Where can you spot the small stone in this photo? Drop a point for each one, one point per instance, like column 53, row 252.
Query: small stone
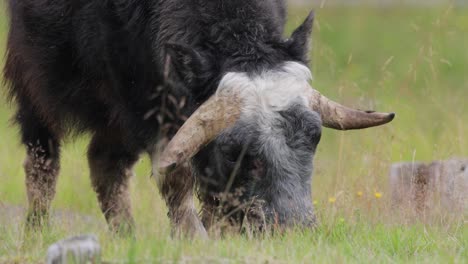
column 76, row 250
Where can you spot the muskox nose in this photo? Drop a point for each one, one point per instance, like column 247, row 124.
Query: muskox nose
column 258, row 169
column 266, row 217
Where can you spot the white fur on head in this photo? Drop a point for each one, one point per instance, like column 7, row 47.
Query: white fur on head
column 270, row 91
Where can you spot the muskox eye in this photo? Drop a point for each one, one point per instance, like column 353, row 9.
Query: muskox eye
column 230, row 153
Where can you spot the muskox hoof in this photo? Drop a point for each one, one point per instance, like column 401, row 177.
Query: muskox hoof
column 189, row 226
column 189, row 232
column 36, row 221
column 124, row 228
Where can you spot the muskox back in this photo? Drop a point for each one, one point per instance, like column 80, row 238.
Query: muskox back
column 85, row 65
column 82, row 65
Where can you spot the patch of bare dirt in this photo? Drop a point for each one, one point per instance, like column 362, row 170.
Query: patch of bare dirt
column 15, row 215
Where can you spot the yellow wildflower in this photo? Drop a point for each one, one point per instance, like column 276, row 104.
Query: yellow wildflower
column 332, row 200
column 360, row 194
column 315, row 202
column 378, row 195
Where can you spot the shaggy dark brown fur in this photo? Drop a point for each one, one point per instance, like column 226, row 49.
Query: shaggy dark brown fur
column 111, row 169
column 177, row 190
column 130, row 72
column 41, row 179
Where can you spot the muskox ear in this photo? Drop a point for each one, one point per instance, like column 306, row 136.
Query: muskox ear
column 298, row 45
column 187, row 63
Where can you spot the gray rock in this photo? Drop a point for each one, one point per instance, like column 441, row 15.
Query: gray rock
column 424, row 186
column 452, row 183
column 76, row 250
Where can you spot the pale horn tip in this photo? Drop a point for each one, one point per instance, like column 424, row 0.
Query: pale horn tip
column 391, row 116
column 377, row 118
column 355, row 119
column 386, row 117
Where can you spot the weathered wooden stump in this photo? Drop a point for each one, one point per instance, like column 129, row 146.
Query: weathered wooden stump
column 76, row 250
column 423, row 186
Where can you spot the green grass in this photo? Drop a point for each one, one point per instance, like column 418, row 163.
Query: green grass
column 411, row 61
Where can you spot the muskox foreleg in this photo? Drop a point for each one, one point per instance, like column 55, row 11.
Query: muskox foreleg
column 41, row 165
column 177, row 187
column 111, row 166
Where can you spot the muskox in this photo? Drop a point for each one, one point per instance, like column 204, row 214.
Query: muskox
column 213, row 84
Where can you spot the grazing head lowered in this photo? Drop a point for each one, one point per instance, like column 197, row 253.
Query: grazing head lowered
column 253, row 142
column 214, row 78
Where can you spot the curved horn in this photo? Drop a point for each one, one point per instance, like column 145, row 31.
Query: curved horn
column 337, row 116
column 222, row 111
column 215, row 115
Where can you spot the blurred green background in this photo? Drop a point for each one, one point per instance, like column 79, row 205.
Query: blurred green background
column 407, row 59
